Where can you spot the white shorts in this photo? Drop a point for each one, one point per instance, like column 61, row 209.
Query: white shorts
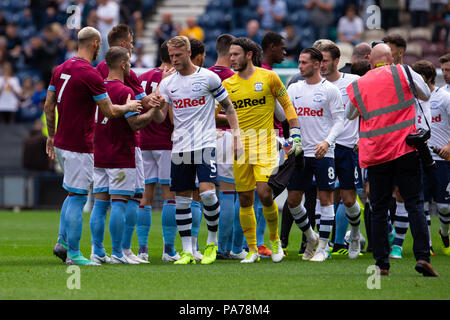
column 157, row 166
column 140, row 176
column 78, row 169
column 225, row 157
column 120, row 181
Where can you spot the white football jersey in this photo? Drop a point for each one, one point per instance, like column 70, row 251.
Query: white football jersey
column 446, row 87
column 440, row 119
column 349, row 137
column 193, row 104
column 315, row 105
column 422, row 113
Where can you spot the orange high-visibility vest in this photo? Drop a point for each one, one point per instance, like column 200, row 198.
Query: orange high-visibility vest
column 386, row 105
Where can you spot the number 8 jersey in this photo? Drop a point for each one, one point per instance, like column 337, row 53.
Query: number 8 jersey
column 78, row 86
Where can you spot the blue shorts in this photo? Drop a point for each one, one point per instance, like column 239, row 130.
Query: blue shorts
column 346, row 165
column 186, row 166
column 322, row 169
column 436, row 184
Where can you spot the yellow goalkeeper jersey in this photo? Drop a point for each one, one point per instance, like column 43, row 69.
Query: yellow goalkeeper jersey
column 254, row 102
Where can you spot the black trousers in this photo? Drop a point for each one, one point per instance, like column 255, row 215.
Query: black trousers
column 405, row 171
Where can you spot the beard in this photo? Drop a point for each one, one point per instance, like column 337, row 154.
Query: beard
column 241, row 66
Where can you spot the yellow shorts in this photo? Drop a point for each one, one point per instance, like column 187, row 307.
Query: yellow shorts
column 247, row 174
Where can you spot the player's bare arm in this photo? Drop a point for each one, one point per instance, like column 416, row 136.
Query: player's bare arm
column 232, row 119
column 114, row 111
column 50, row 116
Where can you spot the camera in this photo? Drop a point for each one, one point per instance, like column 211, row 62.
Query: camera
column 419, row 139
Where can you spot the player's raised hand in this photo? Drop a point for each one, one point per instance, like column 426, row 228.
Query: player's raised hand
column 50, row 148
column 134, row 105
column 321, row 150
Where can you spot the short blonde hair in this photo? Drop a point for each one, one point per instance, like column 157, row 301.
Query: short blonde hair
column 179, row 42
column 87, row 34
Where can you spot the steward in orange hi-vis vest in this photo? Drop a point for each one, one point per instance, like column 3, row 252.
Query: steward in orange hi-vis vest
column 386, row 114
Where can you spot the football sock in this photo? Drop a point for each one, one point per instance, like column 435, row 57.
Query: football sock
column 62, row 228
column 286, row 223
column 341, row 225
column 260, row 221
column 130, row 222
column 271, row 216
column 353, row 214
column 426, row 209
column 444, row 217
column 318, row 214
column 169, row 226
column 74, row 222
column 301, row 219
column 183, row 216
column 117, row 225
column 97, row 224
column 196, row 209
column 144, row 223
column 326, row 224
column 248, row 223
column 238, row 234
column 401, row 224
column 211, row 210
column 225, row 219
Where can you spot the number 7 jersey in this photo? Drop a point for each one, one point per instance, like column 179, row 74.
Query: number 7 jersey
column 78, row 86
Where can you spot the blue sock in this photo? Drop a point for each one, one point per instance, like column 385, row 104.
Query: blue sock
column 226, row 218
column 260, row 221
column 196, row 209
column 117, row 225
column 62, row 234
column 131, row 218
column 143, row 225
column 169, row 226
column 341, row 224
column 238, row 234
column 74, row 222
column 97, row 224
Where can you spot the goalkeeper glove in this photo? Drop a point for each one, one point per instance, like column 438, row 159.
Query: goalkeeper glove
column 296, row 141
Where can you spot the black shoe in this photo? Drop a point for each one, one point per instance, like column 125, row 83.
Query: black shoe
column 60, row 252
column 222, row 256
column 339, row 249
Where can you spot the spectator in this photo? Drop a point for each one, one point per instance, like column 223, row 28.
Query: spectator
column 71, row 49
column 108, row 17
column 389, row 13
column 139, row 59
column 350, row 27
column 293, row 43
column 10, row 92
column 31, row 108
column 34, row 150
column 238, row 10
column 14, row 42
column 164, row 32
column 442, row 23
column 37, row 7
column 192, row 30
column 272, row 14
column 51, row 14
column 3, row 24
column 321, row 17
column 360, row 52
column 253, row 31
column 419, row 10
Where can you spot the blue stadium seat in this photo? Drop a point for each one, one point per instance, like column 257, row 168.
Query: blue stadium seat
column 213, row 19
column 299, row 18
column 211, row 35
column 294, row 5
column 253, row 4
column 238, row 32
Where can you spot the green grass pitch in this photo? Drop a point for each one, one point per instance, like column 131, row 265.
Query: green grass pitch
column 29, row 271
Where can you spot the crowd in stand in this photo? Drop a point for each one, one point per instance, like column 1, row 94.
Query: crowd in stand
column 37, row 35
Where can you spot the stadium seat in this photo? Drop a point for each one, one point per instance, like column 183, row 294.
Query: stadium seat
column 404, row 32
column 373, row 35
column 434, row 59
column 414, row 48
column 212, row 35
column 299, row 18
column 420, row 33
column 420, row 42
column 434, row 49
column 410, row 59
column 238, row 32
column 345, row 48
column 295, row 5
